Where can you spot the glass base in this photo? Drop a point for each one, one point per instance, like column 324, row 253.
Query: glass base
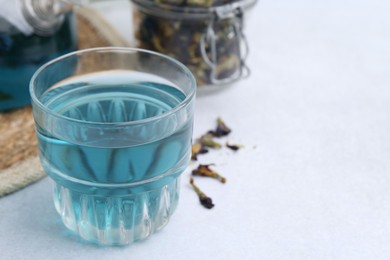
column 116, row 220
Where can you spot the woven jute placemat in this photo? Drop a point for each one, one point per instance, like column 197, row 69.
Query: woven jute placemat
column 19, row 163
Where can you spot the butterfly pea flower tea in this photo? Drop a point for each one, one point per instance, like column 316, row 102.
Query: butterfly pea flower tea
column 114, row 127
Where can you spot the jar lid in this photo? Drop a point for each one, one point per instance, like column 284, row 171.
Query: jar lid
column 193, row 9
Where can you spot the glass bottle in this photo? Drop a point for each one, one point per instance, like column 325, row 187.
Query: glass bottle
column 32, row 32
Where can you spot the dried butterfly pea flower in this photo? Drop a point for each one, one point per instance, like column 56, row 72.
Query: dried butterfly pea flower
column 207, row 141
column 234, row 147
column 203, row 198
column 195, row 3
column 221, row 130
column 203, row 3
column 173, row 2
column 204, row 170
column 196, row 150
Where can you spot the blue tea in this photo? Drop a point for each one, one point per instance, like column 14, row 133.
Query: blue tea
column 151, row 158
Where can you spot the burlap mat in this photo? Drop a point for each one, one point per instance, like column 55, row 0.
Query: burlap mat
column 19, row 163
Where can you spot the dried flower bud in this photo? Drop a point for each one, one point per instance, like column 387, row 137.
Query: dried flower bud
column 204, row 170
column 196, row 150
column 207, row 141
column 206, row 202
column 234, row 147
column 221, row 130
column 203, row 198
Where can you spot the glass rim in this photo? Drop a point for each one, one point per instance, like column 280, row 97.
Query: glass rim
column 180, row 106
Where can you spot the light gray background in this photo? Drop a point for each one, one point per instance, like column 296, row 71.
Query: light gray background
column 313, row 181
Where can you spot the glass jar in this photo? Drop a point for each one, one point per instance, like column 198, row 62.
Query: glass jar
column 31, row 33
column 207, row 36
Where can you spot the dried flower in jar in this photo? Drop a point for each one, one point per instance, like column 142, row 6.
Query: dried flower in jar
column 209, row 45
column 196, row 3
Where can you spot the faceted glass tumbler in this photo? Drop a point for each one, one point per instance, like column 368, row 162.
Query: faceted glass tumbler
column 114, row 128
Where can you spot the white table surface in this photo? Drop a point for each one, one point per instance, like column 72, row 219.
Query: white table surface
column 313, row 181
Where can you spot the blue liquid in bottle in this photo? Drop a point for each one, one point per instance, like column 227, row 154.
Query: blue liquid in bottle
column 21, row 56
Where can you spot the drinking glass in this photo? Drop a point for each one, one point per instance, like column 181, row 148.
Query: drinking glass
column 114, row 128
